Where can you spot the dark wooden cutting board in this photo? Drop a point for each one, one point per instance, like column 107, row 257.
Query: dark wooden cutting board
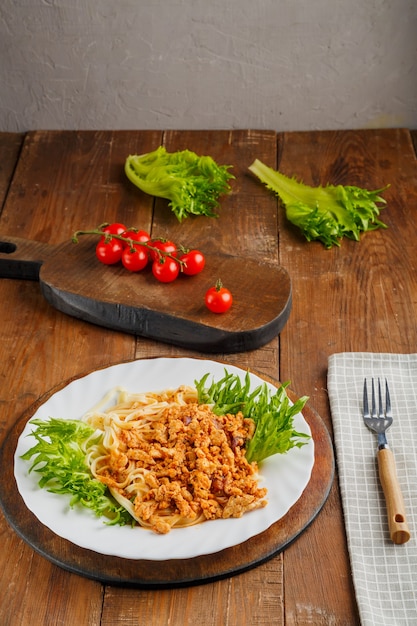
column 76, row 283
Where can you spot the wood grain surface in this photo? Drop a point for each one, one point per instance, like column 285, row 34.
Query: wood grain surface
column 361, row 296
column 10, row 144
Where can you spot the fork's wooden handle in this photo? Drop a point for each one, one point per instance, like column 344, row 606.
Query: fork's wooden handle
column 398, row 526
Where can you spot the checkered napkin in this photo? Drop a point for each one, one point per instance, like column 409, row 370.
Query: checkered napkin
column 384, row 574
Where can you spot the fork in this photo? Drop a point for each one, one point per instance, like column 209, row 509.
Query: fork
column 379, row 421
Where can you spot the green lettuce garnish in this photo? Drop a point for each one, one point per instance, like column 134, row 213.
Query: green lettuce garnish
column 273, row 413
column 326, row 213
column 59, row 456
column 191, row 183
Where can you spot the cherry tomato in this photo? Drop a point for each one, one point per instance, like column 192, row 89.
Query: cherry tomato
column 140, row 235
column 109, row 252
column 218, row 299
column 114, row 229
column 135, row 259
column 194, row 262
column 164, row 246
column 165, row 269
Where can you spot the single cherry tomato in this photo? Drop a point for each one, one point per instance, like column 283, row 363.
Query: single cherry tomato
column 135, row 258
column 114, row 229
column 163, row 247
column 218, row 299
column 165, row 269
column 193, row 262
column 139, row 235
column 109, row 252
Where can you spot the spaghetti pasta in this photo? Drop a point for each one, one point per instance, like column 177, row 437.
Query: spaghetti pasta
column 171, row 462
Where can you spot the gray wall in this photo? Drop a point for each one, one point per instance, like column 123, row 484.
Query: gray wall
column 266, row 64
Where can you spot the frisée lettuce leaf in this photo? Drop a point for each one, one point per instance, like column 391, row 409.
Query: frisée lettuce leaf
column 191, row 183
column 59, row 456
column 272, row 413
column 324, row 214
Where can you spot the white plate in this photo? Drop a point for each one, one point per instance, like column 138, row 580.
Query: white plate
column 284, row 475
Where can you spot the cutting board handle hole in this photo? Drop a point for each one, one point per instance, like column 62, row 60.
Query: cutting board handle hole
column 7, row 247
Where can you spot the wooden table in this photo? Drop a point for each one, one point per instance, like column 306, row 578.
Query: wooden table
column 361, row 296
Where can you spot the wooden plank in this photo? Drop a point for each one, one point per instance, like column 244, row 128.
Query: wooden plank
column 74, row 180
column 45, row 591
column 63, row 181
column 10, row 144
column 413, row 134
column 361, row 297
column 252, row 599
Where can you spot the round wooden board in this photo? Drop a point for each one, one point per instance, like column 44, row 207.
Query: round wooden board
column 174, row 572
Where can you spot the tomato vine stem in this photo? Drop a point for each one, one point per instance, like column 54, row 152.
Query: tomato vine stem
column 132, row 243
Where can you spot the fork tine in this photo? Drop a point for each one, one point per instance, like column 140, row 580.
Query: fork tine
column 380, row 407
column 365, row 400
column 387, row 400
column 373, row 407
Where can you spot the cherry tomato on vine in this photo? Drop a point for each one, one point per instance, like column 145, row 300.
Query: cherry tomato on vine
column 109, row 252
column 218, row 299
column 164, row 246
column 165, row 269
column 114, row 229
column 139, row 235
column 135, row 259
column 193, row 262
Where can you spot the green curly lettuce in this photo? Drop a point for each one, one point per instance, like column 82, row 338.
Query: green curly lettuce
column 60, row 457
column 326, row 213
column 191, row 183
column 272, row 413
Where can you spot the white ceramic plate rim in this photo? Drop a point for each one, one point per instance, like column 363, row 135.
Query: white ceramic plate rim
column 285, row 476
